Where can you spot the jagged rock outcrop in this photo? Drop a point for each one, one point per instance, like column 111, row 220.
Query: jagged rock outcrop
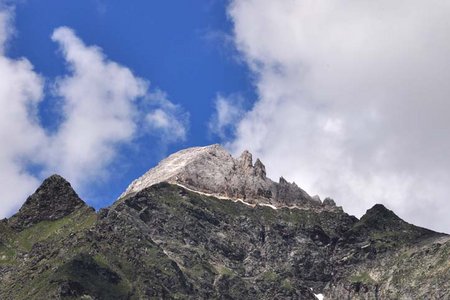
column 53, row 200
column 213, row 170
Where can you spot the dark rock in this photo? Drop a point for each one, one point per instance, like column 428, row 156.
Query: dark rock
column 329, row 202
column 71, row 289
column 319, row 237
column 168, row 242
column 103, row 213
column 379, row 215
column 53, row 200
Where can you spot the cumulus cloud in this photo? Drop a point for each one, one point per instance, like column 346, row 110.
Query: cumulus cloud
column 352, row 100
column 99, row 110
column 228, row 112
column 103, row 104
column 20, row 132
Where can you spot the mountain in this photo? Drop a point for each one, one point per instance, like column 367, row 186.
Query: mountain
column 205, row 225
column 214, row 171
column 53, row 200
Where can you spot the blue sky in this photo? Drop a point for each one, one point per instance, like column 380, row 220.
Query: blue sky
column 186, row 52
column 349, row 99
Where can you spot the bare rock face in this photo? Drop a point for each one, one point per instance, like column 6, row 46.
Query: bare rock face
column 214, row 171
column 53, row 200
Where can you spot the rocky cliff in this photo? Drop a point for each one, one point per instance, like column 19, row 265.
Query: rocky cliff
column 179, row 233
column 214, row 171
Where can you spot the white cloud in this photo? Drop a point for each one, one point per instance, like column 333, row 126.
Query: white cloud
column 99, row 109
column 20, row 132
column 104, row 105
column 102, row 109
column 353, row 100
column 228, row 112
column 166, row 119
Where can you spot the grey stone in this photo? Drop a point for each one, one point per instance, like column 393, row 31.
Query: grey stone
column 214, row 171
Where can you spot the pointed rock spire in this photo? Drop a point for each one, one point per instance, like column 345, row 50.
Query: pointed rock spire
column 260, row 169
column 53, row 200
column 246, row 160
column 329, row 202
column 282, row 180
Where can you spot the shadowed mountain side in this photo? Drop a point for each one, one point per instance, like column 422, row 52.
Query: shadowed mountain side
column 166, row 241
column 53, row 200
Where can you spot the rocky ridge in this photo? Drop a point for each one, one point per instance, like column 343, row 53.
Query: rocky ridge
column 212, row 170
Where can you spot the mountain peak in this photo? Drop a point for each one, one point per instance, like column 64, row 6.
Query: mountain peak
column 214, row 171
column 53, row 200
column 380, row 218
column 246, row 160
column 260, row 169
column 379, row 213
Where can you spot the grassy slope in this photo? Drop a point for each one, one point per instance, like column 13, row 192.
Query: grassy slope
column 40, row 258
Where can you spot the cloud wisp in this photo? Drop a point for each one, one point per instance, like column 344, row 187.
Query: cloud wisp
column 164, row 118
column 228, row 112
column 103, row 106
column 352, row 100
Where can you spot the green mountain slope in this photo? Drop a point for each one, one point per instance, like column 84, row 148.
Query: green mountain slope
column 166, row 242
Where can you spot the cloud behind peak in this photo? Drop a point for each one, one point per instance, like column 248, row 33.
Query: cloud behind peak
column 353, row 95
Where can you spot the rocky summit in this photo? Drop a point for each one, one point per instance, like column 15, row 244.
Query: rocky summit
column 205, row 225
column 212, row 170
column 53, row 200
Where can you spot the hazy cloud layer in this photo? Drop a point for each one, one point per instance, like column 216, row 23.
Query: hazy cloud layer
column 353, row 100
column 102, row 102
